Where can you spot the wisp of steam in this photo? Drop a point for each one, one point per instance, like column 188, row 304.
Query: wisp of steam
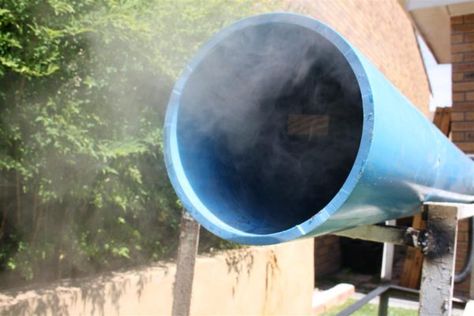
column 269, row 126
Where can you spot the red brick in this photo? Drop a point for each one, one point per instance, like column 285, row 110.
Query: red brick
column 457, row 136
column 470, row 96
column 461, row 48
column 463, row 67
column 462, row 126
column 463, row 287
column 455, row 28
column 468, row 37
column 469, row 136
column 469, row 116
column 469, row 18
column 462, row 248
column 457, row 116
column 457, row 38
column 323, row 251
column 458, row 77
column 459, row 261
column 458, row 97
column 463, row 86
column 466, row 147
column 463, row 106
column 461, row 293
column 468, row 56
column 463, row 225
column 462, row 237
column 455, row 58
column 457, row 20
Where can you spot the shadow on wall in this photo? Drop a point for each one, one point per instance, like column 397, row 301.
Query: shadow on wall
column 98, row 296
column 266, row 280
column 106, row 294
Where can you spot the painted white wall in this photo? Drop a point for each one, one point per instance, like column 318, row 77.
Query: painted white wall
column 439, row 76
column 420, row 4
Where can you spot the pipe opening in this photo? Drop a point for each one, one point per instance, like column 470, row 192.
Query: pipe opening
column 269, row 126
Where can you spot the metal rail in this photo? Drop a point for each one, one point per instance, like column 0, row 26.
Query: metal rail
column 386, row 291
column 439, row 244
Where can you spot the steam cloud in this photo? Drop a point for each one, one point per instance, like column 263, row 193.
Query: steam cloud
column 269, row 126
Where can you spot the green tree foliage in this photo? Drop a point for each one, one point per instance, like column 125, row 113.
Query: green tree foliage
column 83, row 87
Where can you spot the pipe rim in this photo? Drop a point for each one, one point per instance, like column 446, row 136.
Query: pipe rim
column 176, row 171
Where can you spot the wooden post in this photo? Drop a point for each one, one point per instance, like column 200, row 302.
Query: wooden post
column 187, row 251
column 413, row 260
column 437, row 279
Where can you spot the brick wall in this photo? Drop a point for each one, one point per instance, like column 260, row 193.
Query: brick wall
column 462, row 289
column 383, row 32
column 462, row 53
column 462, row 50
column 327, row 256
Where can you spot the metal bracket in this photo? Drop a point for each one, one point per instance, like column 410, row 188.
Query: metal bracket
column 398, row 235
column 438, row 243
column 419, row 239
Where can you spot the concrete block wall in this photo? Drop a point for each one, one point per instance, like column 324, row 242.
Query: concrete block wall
column 462, row 126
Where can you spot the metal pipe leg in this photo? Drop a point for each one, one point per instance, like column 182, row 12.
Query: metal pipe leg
column 383, row 304
column 437, row 278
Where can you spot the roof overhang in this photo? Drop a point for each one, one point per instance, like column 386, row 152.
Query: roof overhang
column 432, row 20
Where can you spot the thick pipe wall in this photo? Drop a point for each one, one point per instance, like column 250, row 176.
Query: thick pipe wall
column 399, row 160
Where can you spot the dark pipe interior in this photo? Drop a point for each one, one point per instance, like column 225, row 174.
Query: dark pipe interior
column 269, row 126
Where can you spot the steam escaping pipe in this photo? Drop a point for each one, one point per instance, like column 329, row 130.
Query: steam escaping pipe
column 280, row 129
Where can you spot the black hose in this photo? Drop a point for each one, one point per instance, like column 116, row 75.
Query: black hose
column 466, row 270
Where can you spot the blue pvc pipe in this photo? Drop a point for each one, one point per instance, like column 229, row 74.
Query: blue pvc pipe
column 401, row 161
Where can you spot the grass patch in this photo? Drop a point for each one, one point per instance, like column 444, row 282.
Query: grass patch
column 370, row 310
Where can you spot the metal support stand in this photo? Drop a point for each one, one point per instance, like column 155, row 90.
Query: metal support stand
column 438, row 242
column 437, row 276
column 185, row 262
column 383, row 304
column 387, row 256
